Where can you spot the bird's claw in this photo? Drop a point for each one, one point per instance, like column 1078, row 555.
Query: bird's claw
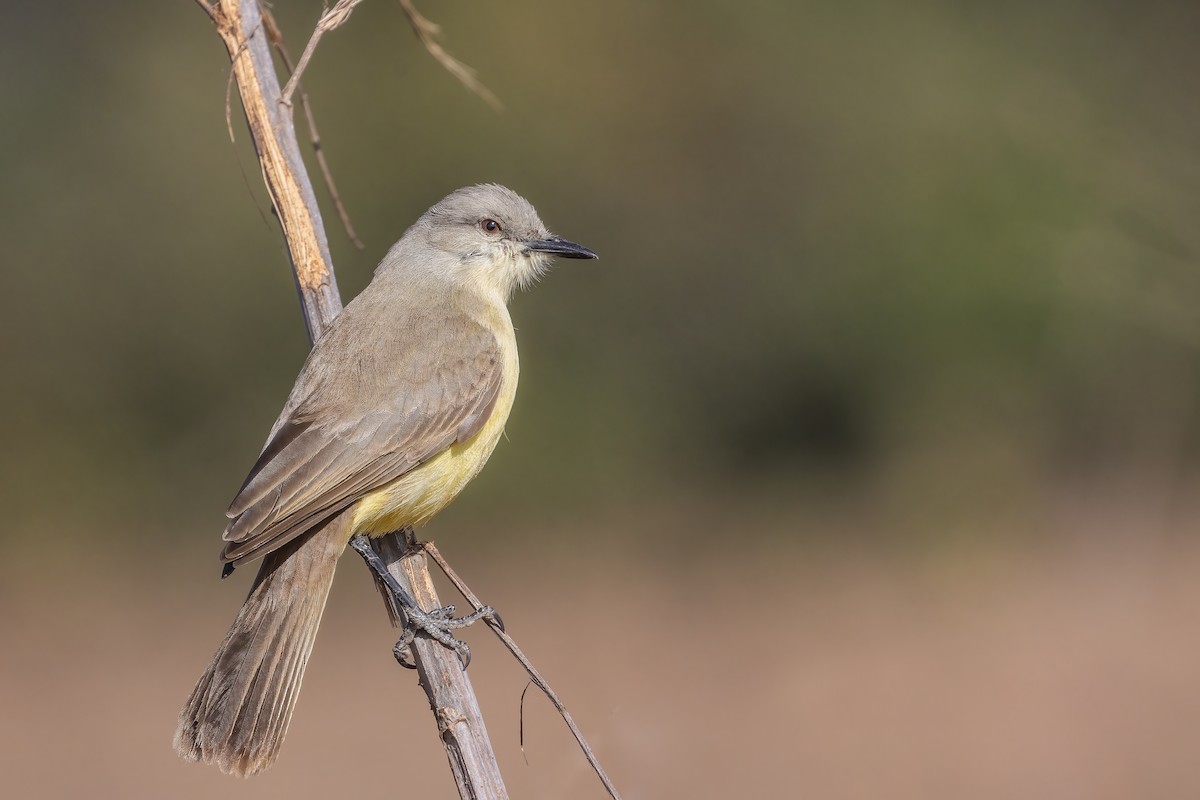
column 403, row 650
column 437, row 624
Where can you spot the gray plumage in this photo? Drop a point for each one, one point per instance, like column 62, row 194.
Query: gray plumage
column 397, row 407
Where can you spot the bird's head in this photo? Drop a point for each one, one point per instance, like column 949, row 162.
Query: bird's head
column 494, row 238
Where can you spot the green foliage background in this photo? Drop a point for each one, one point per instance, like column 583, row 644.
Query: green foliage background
column 936, row 260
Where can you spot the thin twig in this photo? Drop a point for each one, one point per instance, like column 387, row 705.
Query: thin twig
column 310, row 118
column 229, row 82
column 208, row 9
column 330, row 20
column 534, row 675
column 521, row 723
column 427, row 31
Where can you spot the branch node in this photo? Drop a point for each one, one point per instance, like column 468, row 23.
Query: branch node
column 331, row 20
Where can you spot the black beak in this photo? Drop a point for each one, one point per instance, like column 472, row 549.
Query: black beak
column 560, row 247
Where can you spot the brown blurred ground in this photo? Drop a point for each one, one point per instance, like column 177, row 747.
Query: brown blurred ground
column 863, row 465
column 1041, row 670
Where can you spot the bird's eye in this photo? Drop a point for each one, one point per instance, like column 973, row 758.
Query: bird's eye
column 490, row 225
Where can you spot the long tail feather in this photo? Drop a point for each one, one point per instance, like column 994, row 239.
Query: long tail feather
column 238, row 714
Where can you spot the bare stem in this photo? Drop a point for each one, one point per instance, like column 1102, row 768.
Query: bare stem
column 330, row 20
column 311, row 122
column 208, row 9
column 518, row 654
column 460, row 722
column 427, row 32
column 240, row 25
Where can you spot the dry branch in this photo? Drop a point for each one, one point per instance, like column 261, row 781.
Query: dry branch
column 460, row 722
column 240, row 25
column 427, row 32
column 332, row 19
column 248, row 34
column 311, row 121
column 519, row 655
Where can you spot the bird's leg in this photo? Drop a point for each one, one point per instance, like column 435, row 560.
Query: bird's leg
column 436, row 624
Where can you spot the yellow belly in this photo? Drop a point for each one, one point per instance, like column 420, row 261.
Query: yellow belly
column 415, row 497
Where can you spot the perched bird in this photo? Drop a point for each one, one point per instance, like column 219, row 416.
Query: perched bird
column 398, row 406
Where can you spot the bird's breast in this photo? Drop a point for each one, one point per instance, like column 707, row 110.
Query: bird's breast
column 419, row 494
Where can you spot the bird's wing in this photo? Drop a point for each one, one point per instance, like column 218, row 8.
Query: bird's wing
column 362, row 414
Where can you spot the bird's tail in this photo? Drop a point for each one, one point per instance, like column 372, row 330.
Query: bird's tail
column 238, row 713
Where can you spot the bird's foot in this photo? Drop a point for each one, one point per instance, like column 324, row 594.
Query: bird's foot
column 436, row 624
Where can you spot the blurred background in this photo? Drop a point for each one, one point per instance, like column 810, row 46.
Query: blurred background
column 863, row 464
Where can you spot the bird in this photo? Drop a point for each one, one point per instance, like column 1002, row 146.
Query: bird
column 397, row 407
